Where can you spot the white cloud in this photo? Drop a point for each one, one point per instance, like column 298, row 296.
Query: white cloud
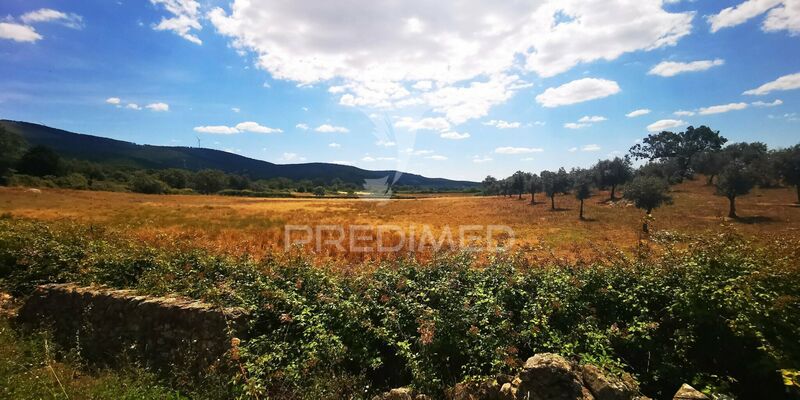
column 423, row 85
column 157, row 107
column 786, row 82
column 723, row 108
column 373, row 159
column 113, row 100
column 638, row 113
column 18, row 32
column 481, row 160
column 574, row 125
column 289, row 157
column 334, row 145
column 73, row 21
column 430, row 123
column 133, row 106
column 577, row 91
column 411, row 151
column 250, row 126
column 684, row 113
column 236, row 109
column 217, row 129
column 572, row 149
column 672, row 68
column 665, row 124
column 452, row 135
column 517, row 150
column 342, row 162
column 775, row 103
column 592, row 119
column 500, row 124
column 385, row 143
column 185, row 18
column 437, row 157
column 590, row 148
column 302, row 126
column 327, row 128
column 781, row 15
column 467, row 50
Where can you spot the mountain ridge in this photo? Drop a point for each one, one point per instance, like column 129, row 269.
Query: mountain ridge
column 121, row 153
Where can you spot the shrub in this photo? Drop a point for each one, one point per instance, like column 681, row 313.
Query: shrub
column 144, row 183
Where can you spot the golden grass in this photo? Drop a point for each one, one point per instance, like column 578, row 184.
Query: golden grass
column 255, row 226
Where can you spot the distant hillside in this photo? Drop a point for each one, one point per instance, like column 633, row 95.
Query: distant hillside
column 117, row 152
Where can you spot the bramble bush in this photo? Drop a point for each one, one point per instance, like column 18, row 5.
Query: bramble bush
column 715, row 311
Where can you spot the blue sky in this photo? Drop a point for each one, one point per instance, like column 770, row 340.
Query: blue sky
column 456, row 90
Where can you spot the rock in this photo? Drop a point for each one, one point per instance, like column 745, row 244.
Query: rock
column 476, row 390
column 396, row 394
column 550, row 376
column 604, row 386
column 687, row 392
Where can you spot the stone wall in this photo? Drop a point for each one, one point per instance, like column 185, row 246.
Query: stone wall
column 162, row 332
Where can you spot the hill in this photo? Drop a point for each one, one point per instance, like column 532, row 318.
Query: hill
column 121, row 153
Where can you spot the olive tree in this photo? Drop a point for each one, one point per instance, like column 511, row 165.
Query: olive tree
column 647, row 193
column 788, row 166
column 534, row 185
column 554, row 183
column 582, row 186
column 736, row 179
column 612, row 173
column 681, row 147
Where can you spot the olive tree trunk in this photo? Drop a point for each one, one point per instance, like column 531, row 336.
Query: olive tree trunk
column 732, row 210
column 553, row 202
column 581, row 216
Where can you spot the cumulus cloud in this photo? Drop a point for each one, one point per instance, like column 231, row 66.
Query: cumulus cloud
column 723, row 108
column 113, row 100
column 133, row 106
column 458, row 57
column 18, row 32
column 236, row 109
column 591, row 148
column 385, row 143
column 302, row 126
column 334, row 145
column 254, row 127
column 158, row 107
column 775, row 103
column 665, row 124
column 575, row 125
column 184, row 21
column 577, row 91
column 595, row 118
column 481, row 159
column 684, row 113
column 672, row 68
column 217, row 129
column 290, row 157
column 69, row 20
column 781, row 15
column 500, row 124
column 430, row 123
column 327, row 128
column 517, row 150
column 452, row 135
column 638, row 113
column 248, row 126
column 786, row 82
column 436, row 157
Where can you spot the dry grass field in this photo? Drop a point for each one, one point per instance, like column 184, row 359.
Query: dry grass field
column 256, row 226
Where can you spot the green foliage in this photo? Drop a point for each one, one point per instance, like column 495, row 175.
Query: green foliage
column 648, row 193
column 11, row 148
column 40, row 161
column 319, row 191
column 209, row 181
column 680, row 147
column 716, row 312
column 612, row 173
column 145, row 183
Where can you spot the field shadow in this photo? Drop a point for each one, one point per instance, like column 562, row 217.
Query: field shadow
column 758, row 219
column 558, row 209
column 589, row 219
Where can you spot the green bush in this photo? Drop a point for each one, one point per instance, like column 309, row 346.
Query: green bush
column 716, row 312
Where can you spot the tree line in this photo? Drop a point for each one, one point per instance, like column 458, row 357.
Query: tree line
column 40, row 166
column 670, row 157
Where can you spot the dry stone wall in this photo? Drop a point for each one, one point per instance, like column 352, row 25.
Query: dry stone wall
column 161, row 332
